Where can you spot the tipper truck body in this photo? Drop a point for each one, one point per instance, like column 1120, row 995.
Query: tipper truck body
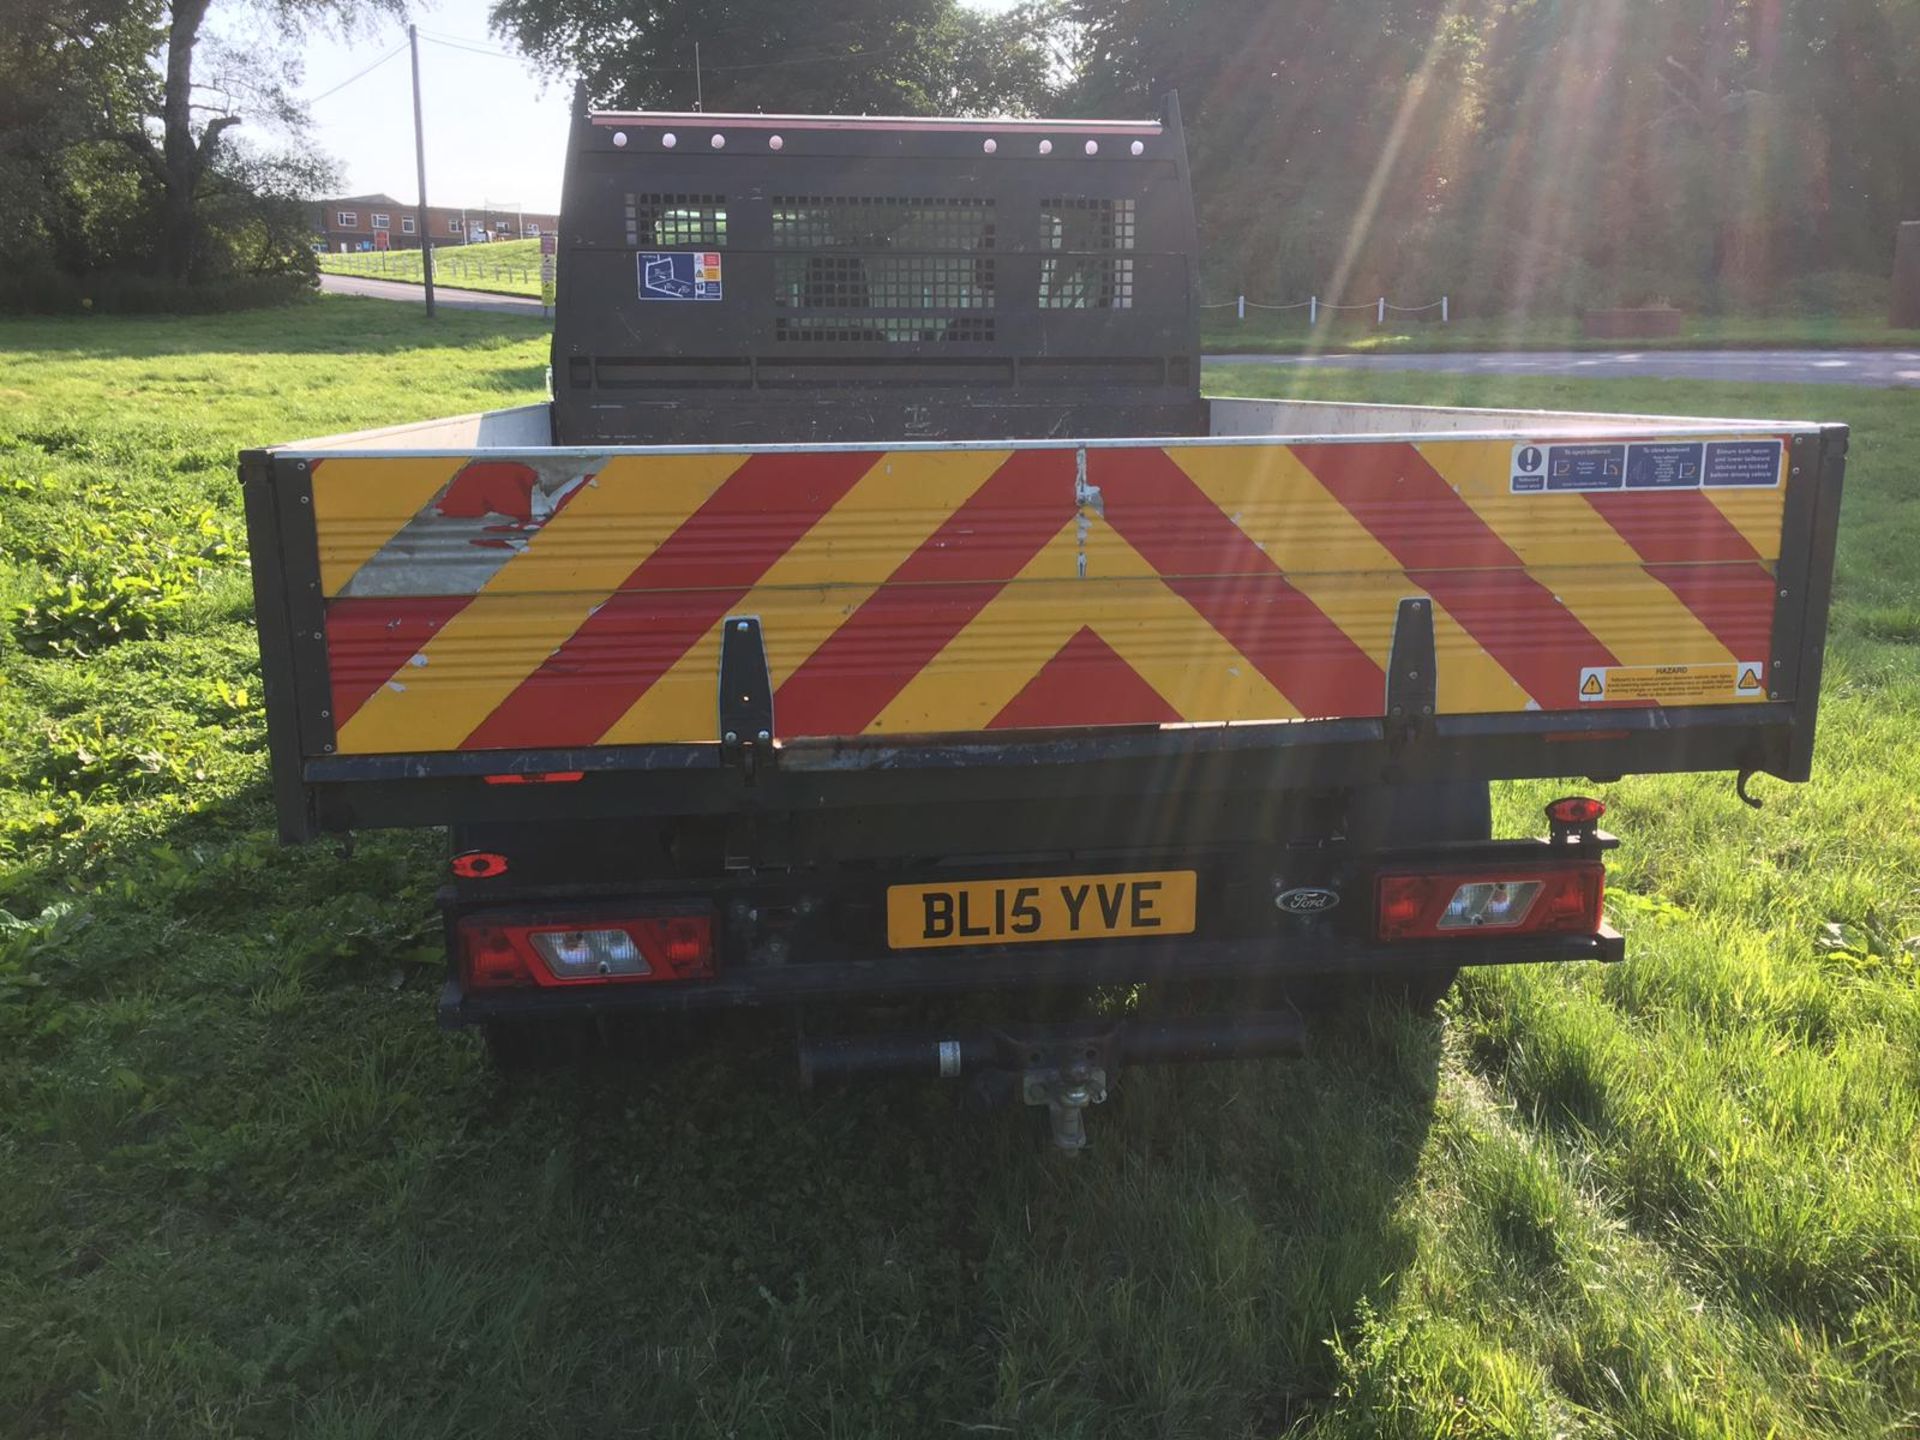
column 878, row 607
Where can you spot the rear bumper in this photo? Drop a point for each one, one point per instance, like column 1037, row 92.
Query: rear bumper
column 1025, row 967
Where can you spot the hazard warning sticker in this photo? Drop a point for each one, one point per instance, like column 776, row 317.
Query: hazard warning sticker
column 679, row 274
column 1674, row 684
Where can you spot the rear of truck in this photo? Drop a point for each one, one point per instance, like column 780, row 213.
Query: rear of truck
column 879, row 608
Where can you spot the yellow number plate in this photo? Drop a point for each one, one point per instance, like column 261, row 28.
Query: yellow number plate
column 1044, row 907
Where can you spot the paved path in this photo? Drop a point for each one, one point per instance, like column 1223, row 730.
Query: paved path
column 442, row 295
column 1883, row 369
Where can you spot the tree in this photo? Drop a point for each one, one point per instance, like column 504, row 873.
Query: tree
column 1529, row 154
column 1322, row 133
column 114, row 132
column 825, row 56
column 187, row 153
column 71, row 71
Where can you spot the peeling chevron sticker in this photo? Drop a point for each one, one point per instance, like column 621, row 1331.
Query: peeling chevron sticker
column 483, row 602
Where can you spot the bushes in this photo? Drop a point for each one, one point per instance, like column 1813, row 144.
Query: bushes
column 52, row 292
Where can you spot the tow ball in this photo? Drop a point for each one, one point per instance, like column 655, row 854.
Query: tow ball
column 1066, row 1091
column 1066, row 1068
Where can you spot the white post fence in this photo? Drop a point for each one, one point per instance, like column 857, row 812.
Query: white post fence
column 449, row 269
column 1313, row 305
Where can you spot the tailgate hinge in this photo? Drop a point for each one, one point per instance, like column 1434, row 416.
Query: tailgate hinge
column 1411, row 686
column 746, row 695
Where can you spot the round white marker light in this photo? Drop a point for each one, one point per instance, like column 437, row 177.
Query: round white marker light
column 990, row 146
column 1046, row 147
column 619, row 137
column 719, row 142
column 669, row 139
column 1093, row 147
column 1138, row 147
column 774, row 142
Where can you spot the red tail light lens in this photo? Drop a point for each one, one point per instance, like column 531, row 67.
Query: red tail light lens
column 1563, row 900
column 690, row 942
column 595, row 950
column 1576, row 810
column 493, row 961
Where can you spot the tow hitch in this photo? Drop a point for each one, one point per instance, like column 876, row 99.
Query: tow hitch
column 1066, row 1068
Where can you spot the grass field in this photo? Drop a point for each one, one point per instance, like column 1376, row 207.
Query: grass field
column 246, row 1189
column 502, row 267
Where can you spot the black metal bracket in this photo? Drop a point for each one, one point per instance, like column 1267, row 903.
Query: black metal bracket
column 746, row 695
column 1411, row 689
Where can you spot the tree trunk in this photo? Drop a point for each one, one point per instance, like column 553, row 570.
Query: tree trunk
column 180, row 153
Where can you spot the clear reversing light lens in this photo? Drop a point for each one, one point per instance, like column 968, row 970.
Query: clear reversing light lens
column 590, row 952
column 1490, row 904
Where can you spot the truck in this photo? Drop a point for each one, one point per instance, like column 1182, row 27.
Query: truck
column 878, row 609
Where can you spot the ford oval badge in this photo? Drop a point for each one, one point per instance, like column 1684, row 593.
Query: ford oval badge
column 1306, row 900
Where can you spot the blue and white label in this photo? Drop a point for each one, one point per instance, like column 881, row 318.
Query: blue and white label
column 1664, row 465
column 1644, row 465
column 1743, row 462
column 1538, row 468
column 679, row 274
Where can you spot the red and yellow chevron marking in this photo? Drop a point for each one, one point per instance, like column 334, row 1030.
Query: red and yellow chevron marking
column 477, row 603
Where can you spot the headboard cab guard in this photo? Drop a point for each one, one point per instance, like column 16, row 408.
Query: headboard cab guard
column 752, row 279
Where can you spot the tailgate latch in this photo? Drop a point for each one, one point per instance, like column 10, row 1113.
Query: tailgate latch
column 1411, row 686
column 746, row 695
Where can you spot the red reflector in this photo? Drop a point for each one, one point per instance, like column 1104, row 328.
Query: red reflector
column 548, row 777
column 493, row 961
column 1575, row 810
column 479, row 865
column 587, row 950
column 1457, row 904
column 689, row 941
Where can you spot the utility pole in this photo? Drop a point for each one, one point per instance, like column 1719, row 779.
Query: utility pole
column 699, row 92
column 420, row 160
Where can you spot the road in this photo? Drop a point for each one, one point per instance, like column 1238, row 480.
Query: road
column 1880, row 369
column 442, row 295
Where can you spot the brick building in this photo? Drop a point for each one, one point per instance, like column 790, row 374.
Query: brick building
column 353, row 221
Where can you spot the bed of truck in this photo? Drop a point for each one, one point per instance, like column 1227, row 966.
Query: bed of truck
column 879, row 607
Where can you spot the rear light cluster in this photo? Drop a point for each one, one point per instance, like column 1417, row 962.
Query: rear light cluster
column 599, row 951
column 1561, row 900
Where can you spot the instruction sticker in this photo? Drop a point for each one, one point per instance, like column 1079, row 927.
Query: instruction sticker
column 1743, row 462
column 1675, row 684
column 1644, row 465
column 1538, row 468
column 1664, row 465
column 679, row 274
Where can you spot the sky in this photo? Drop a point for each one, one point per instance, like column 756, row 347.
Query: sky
column 496, row 131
